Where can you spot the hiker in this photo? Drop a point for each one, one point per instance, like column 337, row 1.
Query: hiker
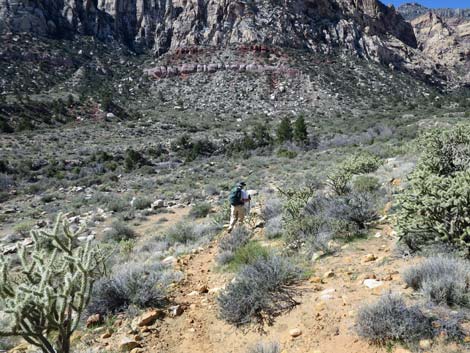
column 238, row 198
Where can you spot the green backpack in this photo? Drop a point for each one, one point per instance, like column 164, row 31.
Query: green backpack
column 235, row 197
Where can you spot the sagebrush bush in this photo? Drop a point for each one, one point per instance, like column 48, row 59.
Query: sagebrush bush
column 117, row 204
column 230, row 243
column 260, row 292
column 366, row 183
column 356, row 207
column 319, row 219
column 441, row 280
column 188, row 233
column 119, row 231
column 273, row 227
column 390, row 319
column 261, row 347
column 248, row 254
column 141, row 203
column 200, row 210
column 272, row 208
column 131, row 284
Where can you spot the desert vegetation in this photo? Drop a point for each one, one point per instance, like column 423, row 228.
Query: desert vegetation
column 359, row 215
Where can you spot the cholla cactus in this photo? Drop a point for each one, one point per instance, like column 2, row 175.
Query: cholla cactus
column 46, row 297
column 436, row 204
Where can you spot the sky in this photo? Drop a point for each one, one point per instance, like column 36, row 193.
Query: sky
column 432, row 3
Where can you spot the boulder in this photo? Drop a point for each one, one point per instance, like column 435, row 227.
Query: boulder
column 150, row 317
column 128, row 344
column 93, row 320
column 158, row 204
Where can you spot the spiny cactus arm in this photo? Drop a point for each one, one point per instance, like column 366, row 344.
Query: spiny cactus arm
column 28, row 265
column 6, row 288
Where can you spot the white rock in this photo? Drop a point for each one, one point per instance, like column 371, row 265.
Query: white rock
column 372, row 283
column 169, row 260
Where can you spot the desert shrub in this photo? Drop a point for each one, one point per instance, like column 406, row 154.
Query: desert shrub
column 5, row 182
column 260, row 347
column 390, row 319
column 211, row 190
column 190, row 150
column 188, row 233
column 24, row 227
column 200, row 210
column 441, row 280
column 260, row 292
column 361, row 163
column 338, row 181
column 134, row 159
column 248, row 254
column 141, row 203
column 119, row 231
column 229, row 244
column 117, row 204
column 435, row 205
column 356, row 207
column 131, row 284
column 366, row 183
column 272, row 208
column 273, row 227
column 311, row 220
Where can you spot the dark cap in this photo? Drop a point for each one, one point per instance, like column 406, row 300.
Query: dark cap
column 241, row 183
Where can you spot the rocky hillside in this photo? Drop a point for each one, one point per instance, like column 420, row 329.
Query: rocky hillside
column 412, row 10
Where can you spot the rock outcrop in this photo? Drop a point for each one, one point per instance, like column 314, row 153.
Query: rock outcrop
column 446, row 43
column 364, row 27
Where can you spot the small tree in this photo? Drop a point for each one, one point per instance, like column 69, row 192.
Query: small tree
column 300, row 131
column 261, row 134
column 45, row 299
column 284, row 131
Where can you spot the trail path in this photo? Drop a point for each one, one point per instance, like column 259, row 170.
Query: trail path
column 325, row 316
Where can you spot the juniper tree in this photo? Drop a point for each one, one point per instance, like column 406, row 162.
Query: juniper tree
column 284, row 131
column 45, row 298
column 300, row 131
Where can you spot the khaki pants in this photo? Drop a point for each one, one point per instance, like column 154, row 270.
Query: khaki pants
column 237, row 213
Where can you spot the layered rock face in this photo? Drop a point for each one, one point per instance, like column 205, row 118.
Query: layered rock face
column 365, row 27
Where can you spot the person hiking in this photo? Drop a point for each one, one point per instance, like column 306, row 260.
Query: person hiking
column 238, row 197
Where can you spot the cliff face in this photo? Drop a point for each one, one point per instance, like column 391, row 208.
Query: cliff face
column 365, row 27
column 446, row 43
column 55, row 18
